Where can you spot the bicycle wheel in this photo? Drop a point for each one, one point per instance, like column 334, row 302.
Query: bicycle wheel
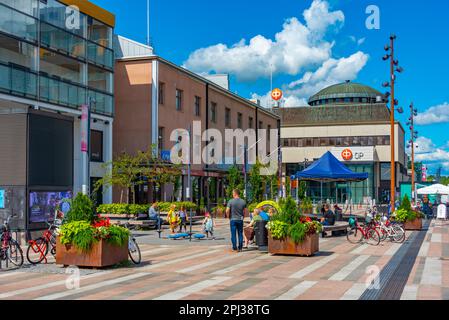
column 14, row 253
column 372, row 237
column 399, row 234
column 134, row 251
column 37, row 251
column 354, row 235
column 383, row 234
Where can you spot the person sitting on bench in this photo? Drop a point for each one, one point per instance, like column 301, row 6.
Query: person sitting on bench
column 328, row 216
column 152, row 215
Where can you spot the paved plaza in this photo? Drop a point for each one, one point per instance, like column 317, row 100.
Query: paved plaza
column 207, row 270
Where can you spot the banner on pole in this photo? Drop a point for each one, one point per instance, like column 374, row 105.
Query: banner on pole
column 84, row 128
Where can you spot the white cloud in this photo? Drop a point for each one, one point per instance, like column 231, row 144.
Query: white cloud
column 424, row 145
column 436, row 114
column 319, row 18
column 333, row 71
column 294, row 48
column 437, row 155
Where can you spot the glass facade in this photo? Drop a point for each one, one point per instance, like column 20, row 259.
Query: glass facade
column 359, row 192
column 48, row 55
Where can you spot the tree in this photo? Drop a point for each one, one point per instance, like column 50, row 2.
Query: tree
column 256, row 182
column 128, row 171
column 235, row 181
column 302, row 190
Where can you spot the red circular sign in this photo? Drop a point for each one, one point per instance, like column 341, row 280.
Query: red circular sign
column 347, row 154
column 276, row 94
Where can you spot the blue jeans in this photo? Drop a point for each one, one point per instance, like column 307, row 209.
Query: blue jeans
column 237, row 230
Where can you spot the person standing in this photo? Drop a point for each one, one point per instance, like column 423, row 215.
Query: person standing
column 236, row 210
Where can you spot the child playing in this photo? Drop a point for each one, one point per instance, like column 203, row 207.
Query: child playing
column 208, row 225
column 183, row 220
column 173, row 218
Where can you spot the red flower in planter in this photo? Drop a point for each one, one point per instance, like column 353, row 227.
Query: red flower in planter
column 102, row 223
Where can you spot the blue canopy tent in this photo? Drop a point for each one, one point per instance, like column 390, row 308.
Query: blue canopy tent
column 330, row 169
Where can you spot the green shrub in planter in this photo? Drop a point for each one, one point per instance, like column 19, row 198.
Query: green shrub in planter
column 81, row 209
column 81, row 234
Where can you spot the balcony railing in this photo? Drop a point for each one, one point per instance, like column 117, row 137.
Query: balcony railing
column 60, row 40
column 22, row 82
column 100, row 55
column 18, row 81
column 17, row 24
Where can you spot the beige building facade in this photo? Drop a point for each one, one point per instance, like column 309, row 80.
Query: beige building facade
column 355, row 131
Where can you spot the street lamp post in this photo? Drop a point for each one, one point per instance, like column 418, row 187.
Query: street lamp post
column 394, row 67
column 411, row 144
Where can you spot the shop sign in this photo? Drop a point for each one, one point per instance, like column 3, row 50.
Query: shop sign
column 354, row 154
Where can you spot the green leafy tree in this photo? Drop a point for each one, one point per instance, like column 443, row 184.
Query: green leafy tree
column 128, row 171
column 256, row 182
column 302, row 190
column 405, row 204
column 235, row 181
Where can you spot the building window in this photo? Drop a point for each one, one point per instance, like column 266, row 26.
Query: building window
column 227, row 117
column 179, row 99
column 213, row 112
column 250, row 123
column 197, row 106
column 161, row 93
column 269, row 133
column 96, row 146
column 260, row 125
column 239, row 120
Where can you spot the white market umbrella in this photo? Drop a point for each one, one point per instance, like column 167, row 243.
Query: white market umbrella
column 436, row 189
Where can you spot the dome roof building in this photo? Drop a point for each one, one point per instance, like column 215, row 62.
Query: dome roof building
column 346, row 93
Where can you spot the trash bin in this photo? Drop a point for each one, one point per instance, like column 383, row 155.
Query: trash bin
column 261, row 234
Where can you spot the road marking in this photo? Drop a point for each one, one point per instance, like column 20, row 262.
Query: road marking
column 184, row 292
column 240, row 265
column 349, row 268
column 206, row 264
column 355, row 292
column 11, row 273
column 436, row 237
column 188, row 257
column 311, row 268
column 423, row 252
column 94, row 286
column 49, row 285
column 154, row 251
column 297, row 290
column 432, row 272
column 394, row 248
column 359, row 249
column 410, row 292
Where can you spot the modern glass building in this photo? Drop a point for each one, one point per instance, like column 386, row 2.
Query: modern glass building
column 54, row 57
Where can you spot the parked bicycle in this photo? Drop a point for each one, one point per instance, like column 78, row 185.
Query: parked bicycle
column 392, row 231
column 38, row 249
column 133, row 248
column 10, row 249
column 358, row 233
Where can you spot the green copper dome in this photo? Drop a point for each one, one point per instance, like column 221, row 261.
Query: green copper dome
column 346, row 93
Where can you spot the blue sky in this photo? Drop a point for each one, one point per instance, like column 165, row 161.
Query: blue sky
column 327, row 42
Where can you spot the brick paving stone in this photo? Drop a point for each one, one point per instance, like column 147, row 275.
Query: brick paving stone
column 337, row 272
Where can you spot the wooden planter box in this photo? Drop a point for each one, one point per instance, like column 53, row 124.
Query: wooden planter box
column 115, row 216
column 102, row 255
column 308, row 248
column 413, row 225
